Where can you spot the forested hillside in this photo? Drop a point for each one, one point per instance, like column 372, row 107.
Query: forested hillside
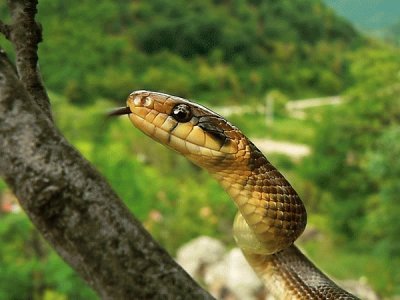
column 213, row 50
column 222, row 52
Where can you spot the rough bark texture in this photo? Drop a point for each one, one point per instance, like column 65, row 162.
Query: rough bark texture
column 25, row 34
column 69, row 202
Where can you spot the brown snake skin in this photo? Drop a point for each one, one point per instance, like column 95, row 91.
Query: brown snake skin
column 271, row 215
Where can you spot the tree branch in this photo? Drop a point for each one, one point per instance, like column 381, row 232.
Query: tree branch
column 76, row 210
column 69, row 202
column 25, row 34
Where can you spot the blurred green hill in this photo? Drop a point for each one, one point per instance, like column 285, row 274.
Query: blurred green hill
column 218, row 51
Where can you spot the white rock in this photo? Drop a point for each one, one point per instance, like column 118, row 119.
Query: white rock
column 360, row 288
column 199, row 253
column 234, row 273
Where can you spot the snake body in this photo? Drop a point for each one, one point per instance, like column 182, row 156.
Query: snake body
column 271, row 215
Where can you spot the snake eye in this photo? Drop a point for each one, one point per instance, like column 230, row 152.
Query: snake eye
column 181, row 113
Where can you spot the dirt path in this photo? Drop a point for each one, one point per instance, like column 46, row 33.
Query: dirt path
column 296, row 151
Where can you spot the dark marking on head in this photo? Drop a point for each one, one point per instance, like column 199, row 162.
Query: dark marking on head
column 170, row 132
column 173, row 127
column 226, row 142
column 207, row 123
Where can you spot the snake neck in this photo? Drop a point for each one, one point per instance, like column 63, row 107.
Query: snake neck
column 270, row 207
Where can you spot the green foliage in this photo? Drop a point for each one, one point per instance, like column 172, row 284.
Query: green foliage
column 28, row 270
column 279, row 101
column 355, row 158
column 282, row 128
column 199, row 48
column 2, row 186
column 16, row 273
column 383, row 166
column 392, row 34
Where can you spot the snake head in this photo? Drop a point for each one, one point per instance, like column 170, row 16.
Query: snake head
column 198, row 133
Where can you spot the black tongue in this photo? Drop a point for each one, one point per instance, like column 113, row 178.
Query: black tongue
column 119, row 111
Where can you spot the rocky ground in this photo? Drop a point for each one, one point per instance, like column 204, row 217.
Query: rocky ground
column 226, row 274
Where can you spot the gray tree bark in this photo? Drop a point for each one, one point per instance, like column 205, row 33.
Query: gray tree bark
column 67, row 200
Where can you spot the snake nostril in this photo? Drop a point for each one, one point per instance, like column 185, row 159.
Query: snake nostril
column 145, row 101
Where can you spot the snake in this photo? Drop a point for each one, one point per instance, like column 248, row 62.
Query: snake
column 271, row 215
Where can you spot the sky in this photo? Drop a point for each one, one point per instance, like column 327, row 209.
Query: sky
column 368, row 14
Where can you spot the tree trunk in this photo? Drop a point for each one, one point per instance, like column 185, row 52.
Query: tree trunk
column 67, row 200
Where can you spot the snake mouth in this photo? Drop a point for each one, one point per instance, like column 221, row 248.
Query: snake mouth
column 120, row 111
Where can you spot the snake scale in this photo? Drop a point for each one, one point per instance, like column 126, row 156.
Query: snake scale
column 271, row 215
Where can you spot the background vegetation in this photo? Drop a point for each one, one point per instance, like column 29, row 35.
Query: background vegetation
column 222, row 53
